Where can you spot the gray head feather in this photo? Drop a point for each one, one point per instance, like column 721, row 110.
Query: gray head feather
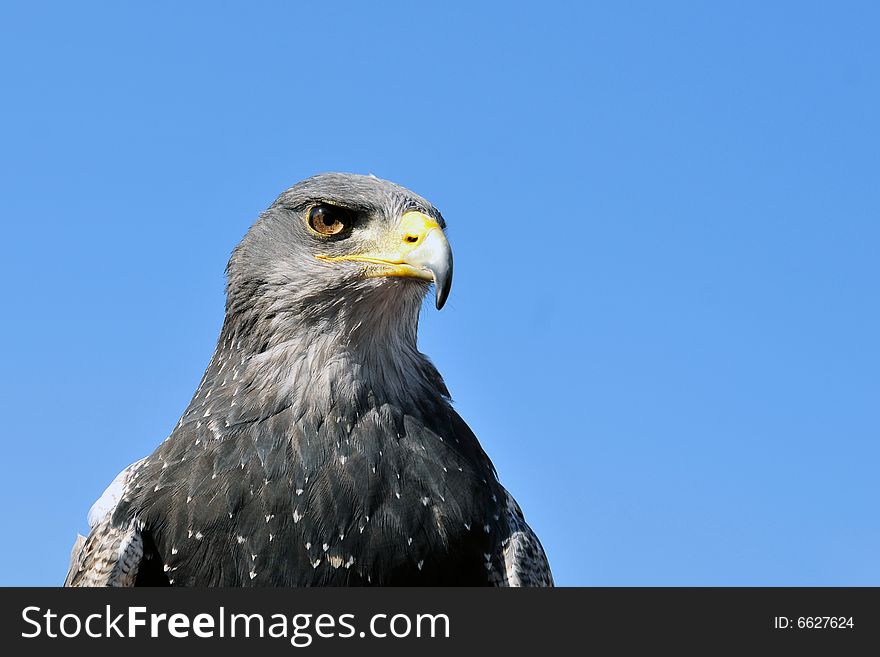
column 290, row 312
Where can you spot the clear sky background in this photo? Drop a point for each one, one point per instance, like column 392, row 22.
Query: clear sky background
column 664, row 325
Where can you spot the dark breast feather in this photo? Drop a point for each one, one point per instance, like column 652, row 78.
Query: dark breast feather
column 359, row 498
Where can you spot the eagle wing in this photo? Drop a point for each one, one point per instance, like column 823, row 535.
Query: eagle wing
column 525, row 563
column 112, row 554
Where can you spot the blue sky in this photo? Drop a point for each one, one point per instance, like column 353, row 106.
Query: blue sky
column 665, row 216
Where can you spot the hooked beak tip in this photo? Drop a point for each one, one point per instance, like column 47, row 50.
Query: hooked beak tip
column 442, row 285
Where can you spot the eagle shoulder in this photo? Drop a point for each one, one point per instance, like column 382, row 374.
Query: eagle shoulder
column 525, row 563
column 111, row 554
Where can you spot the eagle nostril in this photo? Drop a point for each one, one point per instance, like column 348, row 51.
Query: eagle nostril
column 412, row 239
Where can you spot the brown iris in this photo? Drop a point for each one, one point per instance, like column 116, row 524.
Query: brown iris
column 329, row 220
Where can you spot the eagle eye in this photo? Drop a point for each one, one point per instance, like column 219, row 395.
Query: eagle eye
column 329, row 220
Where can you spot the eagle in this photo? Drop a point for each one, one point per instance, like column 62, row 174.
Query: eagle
column 321, row 447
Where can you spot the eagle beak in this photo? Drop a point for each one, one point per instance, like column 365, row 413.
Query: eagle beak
column 415, row 248
column 431, row 252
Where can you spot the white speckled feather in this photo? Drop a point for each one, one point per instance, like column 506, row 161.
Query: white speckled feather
column 105, row 504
